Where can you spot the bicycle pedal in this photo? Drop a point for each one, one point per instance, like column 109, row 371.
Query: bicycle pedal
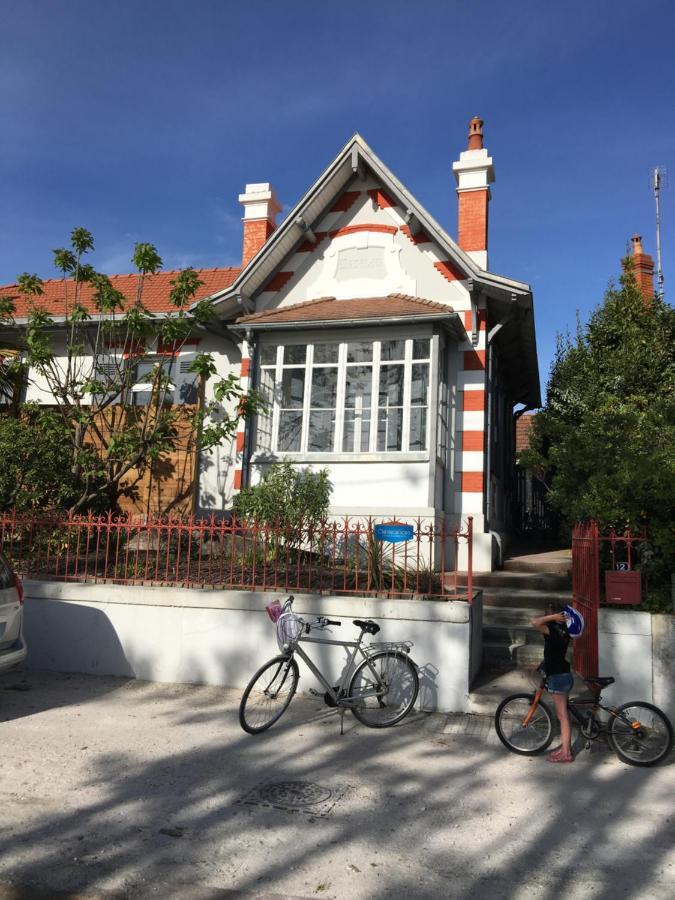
column 315, row 693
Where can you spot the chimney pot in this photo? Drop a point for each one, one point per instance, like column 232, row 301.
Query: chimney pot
column 476, row 133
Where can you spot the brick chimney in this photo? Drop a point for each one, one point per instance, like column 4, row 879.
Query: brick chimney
column 260, row 212
column 474, row 173
column 643, row 269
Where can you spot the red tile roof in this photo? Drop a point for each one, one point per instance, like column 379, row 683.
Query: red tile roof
column 328, row 309
column 524, row 425
column 156, row 289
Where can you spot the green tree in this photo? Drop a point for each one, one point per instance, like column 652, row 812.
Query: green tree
column 89, row 363
column 605, row 440
column 36, row 471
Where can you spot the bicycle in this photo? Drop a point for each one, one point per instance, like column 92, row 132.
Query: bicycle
column 380, row 690
column 639, row 733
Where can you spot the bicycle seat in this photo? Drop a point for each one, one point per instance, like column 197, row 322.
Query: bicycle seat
column 601, row 682
column 369, row 626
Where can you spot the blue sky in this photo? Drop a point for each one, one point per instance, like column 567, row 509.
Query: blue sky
column 143, row 121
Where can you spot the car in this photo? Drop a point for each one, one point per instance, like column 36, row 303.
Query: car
column 13, row 648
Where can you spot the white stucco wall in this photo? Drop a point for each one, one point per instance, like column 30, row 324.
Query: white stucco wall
column 222, row 637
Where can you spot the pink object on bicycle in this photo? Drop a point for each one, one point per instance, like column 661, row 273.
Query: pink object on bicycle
column 274, row 610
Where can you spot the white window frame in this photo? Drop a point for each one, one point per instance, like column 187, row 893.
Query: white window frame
column 336, row 453
column 178, row 378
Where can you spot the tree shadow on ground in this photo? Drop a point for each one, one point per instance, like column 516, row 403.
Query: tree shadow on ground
column 418, row 813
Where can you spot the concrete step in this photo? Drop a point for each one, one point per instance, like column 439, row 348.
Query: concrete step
column 519, row 634
column 505, row 656
column 519, row 581
column 508, row 617
column 536, row 601
column 556, row 562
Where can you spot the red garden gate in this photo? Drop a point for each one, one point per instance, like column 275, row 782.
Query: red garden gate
column 622, row 582
column 586, row 594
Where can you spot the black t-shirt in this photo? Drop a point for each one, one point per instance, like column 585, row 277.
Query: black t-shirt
column 555, row 648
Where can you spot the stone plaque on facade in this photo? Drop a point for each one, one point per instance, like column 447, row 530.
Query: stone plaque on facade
column 367, row 262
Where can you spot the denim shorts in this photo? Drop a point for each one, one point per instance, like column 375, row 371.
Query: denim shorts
column 560, row 684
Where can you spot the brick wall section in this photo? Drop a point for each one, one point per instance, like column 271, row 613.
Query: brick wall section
column 473, row 440
column 524, row 425
column 472, row 482
column 643, row 269
column 472, row 230
column 256, row 232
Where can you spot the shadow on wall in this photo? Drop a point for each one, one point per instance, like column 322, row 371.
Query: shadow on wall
column 92, row 647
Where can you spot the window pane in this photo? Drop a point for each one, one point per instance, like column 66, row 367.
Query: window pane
column 358, row 387
column 290, row 430
column 418, row 428
column 326, row 353
column 292, row 388
column 421, row 349
column 356, row 434
column 321, row 430
column 391, row 386
column 268, row 355
column 389, row 429
column 393, row 350
column 360, row 351
column 295, row 353
column 324, row 388
column 264, row 419
column 420, row 384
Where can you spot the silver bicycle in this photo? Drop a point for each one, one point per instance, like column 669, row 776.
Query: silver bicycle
column 379, row 682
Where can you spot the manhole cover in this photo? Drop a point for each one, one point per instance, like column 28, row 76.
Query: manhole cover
column 296, row 796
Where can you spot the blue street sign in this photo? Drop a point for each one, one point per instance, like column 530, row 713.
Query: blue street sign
column 393, row 532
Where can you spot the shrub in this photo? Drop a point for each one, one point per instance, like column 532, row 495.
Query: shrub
column 36, row 461
column 287, row 495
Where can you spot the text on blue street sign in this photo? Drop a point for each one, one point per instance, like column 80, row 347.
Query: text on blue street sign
column 394, row 534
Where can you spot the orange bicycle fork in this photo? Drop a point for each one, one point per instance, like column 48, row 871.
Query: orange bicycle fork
column 535, row 703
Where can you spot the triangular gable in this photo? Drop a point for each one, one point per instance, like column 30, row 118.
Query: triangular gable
column 356, row 169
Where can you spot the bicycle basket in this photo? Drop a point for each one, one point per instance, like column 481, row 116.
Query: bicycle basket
column 289, row 629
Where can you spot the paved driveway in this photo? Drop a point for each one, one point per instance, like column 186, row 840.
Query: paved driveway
column 130, row 789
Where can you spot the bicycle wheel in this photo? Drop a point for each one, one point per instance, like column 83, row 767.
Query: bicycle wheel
column 268, row 694
column 383, row 689
column 640, row 734
column 514, row 734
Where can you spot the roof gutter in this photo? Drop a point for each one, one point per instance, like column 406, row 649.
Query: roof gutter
column 451, row 321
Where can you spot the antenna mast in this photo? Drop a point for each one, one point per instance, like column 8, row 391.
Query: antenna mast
column 659, row 181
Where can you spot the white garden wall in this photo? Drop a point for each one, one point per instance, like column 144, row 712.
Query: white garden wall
column 222, row 637
column 638, row 649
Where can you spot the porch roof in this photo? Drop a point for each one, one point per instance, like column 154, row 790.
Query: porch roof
column 329, row 312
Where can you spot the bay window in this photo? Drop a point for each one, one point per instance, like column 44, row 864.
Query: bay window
column 356, row 396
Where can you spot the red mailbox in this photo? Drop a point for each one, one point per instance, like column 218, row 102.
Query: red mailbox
column 623, row 587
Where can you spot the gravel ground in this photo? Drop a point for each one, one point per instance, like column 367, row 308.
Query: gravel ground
column 120, row 788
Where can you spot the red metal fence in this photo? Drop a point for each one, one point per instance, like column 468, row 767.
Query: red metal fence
column 332, row 557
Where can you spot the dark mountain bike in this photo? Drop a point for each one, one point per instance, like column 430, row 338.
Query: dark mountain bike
column 639, row 733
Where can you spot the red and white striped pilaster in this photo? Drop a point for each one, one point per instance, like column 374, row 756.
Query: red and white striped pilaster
column 471, row 424
column 240, row 434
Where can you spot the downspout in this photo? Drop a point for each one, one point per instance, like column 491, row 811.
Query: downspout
column 252, row 384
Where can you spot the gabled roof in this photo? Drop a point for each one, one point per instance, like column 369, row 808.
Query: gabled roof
column 156, row 289
column 353, row 161
column 508, row 301
column 329, row 312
